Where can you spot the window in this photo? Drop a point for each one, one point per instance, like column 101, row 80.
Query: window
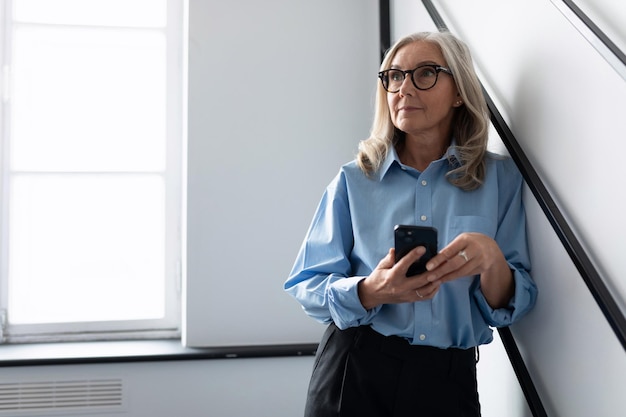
column 91, row 169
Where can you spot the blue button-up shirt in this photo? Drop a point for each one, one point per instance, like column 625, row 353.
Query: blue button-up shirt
column 352, row 230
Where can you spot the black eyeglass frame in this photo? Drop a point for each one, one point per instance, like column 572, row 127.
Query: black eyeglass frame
column 438, row 69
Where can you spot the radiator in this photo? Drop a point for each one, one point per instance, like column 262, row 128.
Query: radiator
column 44, row 398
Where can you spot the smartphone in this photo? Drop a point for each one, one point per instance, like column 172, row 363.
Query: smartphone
column 409, row 237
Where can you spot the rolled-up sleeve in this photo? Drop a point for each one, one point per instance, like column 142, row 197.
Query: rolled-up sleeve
column 512, row 240
column 321, row 278
column 521, row 303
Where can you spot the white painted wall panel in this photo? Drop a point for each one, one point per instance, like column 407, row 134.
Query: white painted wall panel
column 565, row 104
column 408, row 16
column 539, row 68
column 609, row 16
column 269, row 387
column 499, row 390
column 280, row 94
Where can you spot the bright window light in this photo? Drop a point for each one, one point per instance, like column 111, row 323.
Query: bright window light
column 91, row 169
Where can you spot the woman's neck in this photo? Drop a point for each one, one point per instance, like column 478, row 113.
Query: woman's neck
column 419, row 152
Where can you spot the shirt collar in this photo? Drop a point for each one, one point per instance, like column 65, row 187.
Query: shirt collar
column 392, row 158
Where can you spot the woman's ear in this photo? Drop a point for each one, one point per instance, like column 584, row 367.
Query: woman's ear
column 459, row 100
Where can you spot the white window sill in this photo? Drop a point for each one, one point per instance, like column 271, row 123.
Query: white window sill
column 134, row 351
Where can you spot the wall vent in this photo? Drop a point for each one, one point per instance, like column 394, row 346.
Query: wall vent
column 39, row 398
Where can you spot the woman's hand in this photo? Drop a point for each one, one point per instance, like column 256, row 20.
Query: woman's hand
column 467, row 255
column 388, row 283
column 474, row 254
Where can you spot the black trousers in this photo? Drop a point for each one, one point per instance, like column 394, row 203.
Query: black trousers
column 359, row 372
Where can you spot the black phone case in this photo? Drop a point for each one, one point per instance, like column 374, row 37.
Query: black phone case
column 409, row 237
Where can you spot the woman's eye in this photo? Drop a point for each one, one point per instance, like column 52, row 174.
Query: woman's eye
column 396, row 76
column 426, row 73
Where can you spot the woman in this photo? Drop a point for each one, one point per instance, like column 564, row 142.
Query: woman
column 398, row 345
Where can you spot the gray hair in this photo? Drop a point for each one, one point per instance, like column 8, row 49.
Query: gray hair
column 471, row 121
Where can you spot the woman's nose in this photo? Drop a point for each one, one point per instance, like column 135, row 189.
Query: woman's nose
column 407, row 87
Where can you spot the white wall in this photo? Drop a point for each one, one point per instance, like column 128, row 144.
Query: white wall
column 609, row 16
column 567, row 129
column 565, row 105
column 270, row 387
column 280, row 94
column 499, row 390
column 271, row 120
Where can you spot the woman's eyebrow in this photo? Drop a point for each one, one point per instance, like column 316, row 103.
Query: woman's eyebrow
column 419, row 64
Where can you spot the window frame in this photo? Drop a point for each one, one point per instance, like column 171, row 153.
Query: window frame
column 162, row 328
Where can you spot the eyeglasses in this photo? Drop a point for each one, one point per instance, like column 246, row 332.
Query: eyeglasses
column 423, row 77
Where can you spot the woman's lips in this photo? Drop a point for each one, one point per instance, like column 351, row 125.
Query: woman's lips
column 408, row 108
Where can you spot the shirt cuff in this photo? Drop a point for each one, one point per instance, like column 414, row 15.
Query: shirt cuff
column 345, row 305
column 519, row 305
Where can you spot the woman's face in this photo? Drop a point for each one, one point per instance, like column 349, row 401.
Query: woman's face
column 423, row 112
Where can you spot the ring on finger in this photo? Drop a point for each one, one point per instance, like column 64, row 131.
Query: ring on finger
column 463, row 255
column 418, row 294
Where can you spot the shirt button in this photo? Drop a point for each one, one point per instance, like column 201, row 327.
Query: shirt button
column 424, row 183
column 423, row 218
column 422, row 337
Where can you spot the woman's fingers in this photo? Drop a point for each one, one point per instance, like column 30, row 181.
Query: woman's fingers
column 426, row 292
